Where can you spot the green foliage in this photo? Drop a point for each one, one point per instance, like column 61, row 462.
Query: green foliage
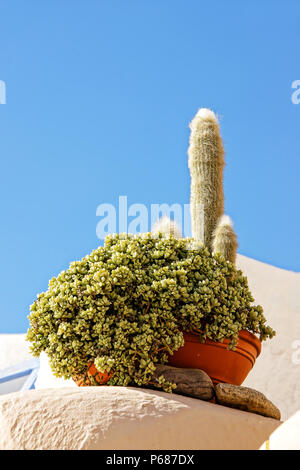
column 125, row 305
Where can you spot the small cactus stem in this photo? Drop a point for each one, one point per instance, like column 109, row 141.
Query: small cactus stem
column 167, row 227
column 206, row 163
column 225, row 240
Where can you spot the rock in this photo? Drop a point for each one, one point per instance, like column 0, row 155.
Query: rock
column 246, row 399
column 191, row 382
column 106, row 417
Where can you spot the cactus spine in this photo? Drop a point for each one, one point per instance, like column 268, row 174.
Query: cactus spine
column 225, row 240
column 206, row 163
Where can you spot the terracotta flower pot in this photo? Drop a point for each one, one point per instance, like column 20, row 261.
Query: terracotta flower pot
column 221, row 364
column 85, row 380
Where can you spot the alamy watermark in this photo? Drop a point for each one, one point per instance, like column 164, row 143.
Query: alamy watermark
column 138, row 218
column 296, row 94
column 296, row 353
column 2, row 92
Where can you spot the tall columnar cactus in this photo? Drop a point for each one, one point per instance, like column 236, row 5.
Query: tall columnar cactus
column 224, row 239
column 206, row 162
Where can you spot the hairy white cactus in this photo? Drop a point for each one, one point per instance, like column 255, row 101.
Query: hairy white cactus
column 167, row 227
column 224, row 239
column 206, row 162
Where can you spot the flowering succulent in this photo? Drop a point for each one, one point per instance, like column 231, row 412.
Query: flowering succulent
column 124, row 307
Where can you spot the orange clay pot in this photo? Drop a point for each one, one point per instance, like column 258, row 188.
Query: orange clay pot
column 221, row 364
column 85, row 380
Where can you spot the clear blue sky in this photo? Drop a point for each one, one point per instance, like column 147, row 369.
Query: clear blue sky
column 99, row 97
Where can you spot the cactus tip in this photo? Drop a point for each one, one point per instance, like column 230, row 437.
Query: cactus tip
column 206, row 114
column 224, row 239
column 167, row 227
column 225, row 220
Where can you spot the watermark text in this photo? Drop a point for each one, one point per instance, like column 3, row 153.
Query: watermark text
column 138, row 218
column 2, row 92
column 296, row 94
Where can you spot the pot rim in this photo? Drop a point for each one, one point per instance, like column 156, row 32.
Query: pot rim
column 244, row 335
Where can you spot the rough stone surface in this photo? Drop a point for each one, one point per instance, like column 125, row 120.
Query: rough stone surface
column 246, row 399
column 124, row 418
column 192, row 382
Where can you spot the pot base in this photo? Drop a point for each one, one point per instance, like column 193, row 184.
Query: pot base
column 92, row 373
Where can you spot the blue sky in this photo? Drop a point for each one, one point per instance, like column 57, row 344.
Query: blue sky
column 99, row 95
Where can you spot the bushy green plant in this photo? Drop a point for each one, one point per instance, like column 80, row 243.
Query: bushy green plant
column 125, row 305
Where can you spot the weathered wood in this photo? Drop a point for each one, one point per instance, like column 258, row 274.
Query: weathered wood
column 246, row 399
column 191, row 382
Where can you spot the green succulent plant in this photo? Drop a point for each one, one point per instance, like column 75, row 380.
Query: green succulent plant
column 124, row 307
